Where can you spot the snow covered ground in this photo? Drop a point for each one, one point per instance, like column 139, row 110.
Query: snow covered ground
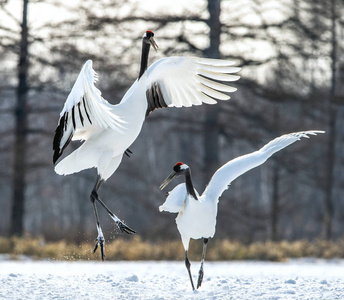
column 295, row 279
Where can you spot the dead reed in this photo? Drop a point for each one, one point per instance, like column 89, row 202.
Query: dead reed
column 137, row 249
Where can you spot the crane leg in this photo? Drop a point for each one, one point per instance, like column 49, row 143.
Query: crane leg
column 121, row 225
column 187, row 264
column 201, row 273
column 100, row 239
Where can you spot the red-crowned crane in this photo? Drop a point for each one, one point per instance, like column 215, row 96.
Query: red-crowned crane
column 109, row 130
column 196, row 217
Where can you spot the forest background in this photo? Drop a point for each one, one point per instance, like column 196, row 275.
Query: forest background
column 291, row 54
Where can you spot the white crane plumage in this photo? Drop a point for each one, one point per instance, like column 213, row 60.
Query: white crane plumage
column 108, row 130
column 196, row 217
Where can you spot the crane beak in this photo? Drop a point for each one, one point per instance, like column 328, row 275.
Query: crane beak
column 154, row 44
column 167, row 180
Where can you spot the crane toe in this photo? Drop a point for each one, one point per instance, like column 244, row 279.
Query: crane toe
column 100, row 242
column 124, row 228
column 200, row 278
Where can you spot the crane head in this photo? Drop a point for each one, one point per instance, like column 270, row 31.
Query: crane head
column 178, row 169
column 148, row 37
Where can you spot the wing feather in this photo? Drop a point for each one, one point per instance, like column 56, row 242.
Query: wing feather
column 85, row 109
column 216, row 85
column 80, row 115
column 186, row 81
column 240, row 165
column 212, row 93
column 217, row 76
column 219, row 69
column 215, row 62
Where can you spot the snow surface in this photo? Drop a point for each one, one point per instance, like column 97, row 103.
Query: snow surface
column 295, row 279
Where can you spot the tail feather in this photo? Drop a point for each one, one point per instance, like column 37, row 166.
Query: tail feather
column 87, row 157
column 74, row 163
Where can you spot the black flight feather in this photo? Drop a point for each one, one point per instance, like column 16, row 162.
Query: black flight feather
column 88, row 117
column 155, row 98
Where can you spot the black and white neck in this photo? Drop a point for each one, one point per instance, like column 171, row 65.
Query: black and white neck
column 180, row 169
column 188, row 182
column 183, row 169
column 146, row 43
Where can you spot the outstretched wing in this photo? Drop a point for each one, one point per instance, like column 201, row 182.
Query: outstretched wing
column 84, row 111
column 240, row 165
column 187, row 81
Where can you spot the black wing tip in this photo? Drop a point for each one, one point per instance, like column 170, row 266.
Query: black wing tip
column 56, row 156
column 57, row 139
column 58, row 136
column 62, row 127
column 58, row 152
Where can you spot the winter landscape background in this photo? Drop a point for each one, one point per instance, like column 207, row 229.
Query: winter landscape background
column 292, row 71
column 291, row 54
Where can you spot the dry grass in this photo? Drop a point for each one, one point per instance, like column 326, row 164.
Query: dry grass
column 136, row 249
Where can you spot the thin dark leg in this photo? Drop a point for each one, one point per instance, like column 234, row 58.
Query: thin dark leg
column 122, row 226
column 187, row 264
column 100, row 238
column 201, row 273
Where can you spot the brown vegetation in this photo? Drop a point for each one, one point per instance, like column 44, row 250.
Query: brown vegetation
column 137, row 249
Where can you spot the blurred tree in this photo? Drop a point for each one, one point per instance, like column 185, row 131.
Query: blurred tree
column 332, row 127
column 211, row 126
column 284, row 48
column 21, row 129
column 302, row 44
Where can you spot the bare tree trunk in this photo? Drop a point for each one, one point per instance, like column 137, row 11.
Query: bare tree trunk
column 329, row 212
column 211, row 130
column 18, row 184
